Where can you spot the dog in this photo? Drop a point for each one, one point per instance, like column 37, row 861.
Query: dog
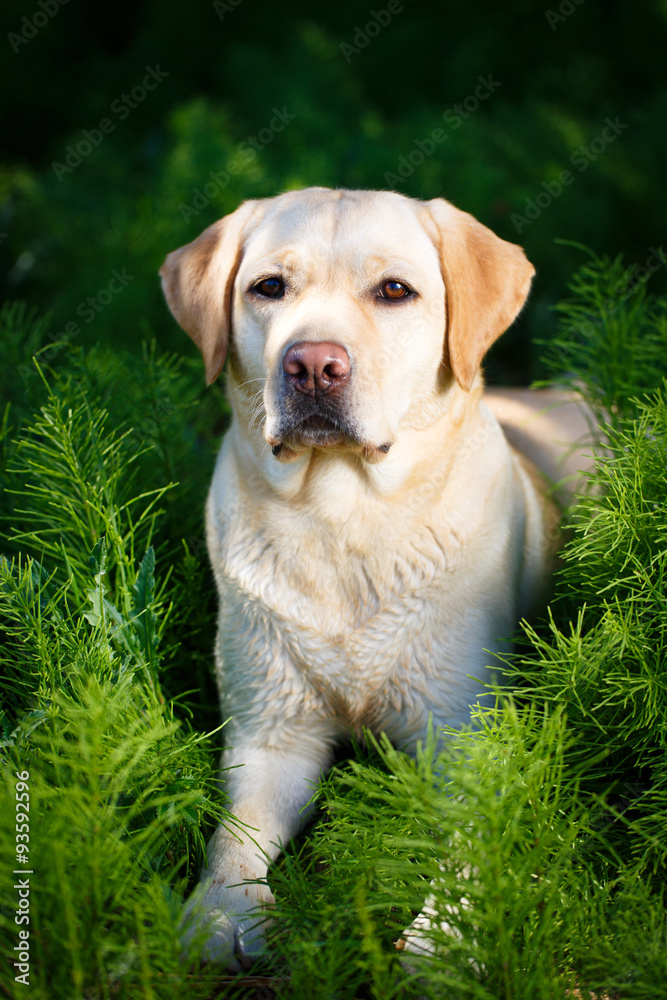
column 376, row 523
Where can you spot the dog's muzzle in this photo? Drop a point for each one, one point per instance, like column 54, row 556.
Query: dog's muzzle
column 315, row 379
column 315, row 402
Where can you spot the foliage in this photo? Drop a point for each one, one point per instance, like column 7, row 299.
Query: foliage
column 488, row 829
column 121, row 790
column 603, row 653
column 610, row 345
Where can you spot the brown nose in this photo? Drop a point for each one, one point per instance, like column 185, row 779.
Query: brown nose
column 316, row 366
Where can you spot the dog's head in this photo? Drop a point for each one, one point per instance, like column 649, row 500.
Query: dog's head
column 346, row 313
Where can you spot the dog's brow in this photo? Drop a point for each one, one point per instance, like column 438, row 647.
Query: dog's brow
column 280, row 258
column 381, row 266
column 384, row 260
column 271, row 265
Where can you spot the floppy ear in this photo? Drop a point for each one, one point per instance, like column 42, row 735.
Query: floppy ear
column 197, row 282
column 486, row 281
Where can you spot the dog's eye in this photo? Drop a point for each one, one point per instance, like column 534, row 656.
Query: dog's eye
column 271, row 288
column 394, row 290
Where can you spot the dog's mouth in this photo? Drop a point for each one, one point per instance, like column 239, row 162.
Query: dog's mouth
column 323, row 432
column 314, row 430
column 319, row 422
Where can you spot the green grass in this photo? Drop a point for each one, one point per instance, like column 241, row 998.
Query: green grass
column 550, row 817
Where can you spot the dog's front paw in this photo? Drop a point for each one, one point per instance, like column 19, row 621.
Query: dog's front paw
column 428, row 928
column 226, row 923
column 437, row 930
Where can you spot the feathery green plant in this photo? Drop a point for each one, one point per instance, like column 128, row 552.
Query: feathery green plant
column 602, row 655
column 610, row 344
column 121, row 790
column 487, row 827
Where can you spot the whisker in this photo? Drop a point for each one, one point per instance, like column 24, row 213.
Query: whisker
column 256, row 396
column 258, row 415
column 236, row 387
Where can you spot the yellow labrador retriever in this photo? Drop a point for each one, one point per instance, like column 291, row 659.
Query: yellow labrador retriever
column 371, row 529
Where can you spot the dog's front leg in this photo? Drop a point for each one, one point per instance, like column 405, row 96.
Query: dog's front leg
column 269, row 789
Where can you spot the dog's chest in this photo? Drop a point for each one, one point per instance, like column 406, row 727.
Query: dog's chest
column 350, row 624
column 346, row 582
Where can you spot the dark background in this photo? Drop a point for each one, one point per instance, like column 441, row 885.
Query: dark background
column 562, row 71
